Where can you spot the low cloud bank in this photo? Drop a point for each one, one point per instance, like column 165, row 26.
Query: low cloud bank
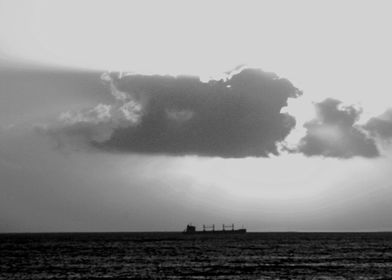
column 238, row 116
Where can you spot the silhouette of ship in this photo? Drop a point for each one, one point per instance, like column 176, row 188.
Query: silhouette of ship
column 190, row 229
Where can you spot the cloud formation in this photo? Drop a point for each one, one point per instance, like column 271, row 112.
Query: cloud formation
column 334, row 133
column 381, row 126
column 237, row 116
column 98, row 123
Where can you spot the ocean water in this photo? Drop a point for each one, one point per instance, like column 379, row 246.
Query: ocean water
column 175, row 256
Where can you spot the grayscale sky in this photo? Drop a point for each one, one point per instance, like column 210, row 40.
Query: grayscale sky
column 148, row 115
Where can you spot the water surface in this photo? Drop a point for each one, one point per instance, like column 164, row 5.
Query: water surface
column 175, row 256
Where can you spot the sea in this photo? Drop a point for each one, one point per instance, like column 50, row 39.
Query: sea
column 165, row 255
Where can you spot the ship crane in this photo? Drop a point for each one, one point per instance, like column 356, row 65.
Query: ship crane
column 224, row 227
column 209, row 227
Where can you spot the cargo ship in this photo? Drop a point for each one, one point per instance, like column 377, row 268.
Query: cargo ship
column 191, row 229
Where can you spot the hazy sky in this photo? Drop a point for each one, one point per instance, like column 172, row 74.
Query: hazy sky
column 148, row 115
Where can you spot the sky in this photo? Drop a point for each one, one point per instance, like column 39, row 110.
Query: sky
column 149, row 115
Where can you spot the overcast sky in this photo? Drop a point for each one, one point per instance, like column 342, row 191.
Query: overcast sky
column 148, row 115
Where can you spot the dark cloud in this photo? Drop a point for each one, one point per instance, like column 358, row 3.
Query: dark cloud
column 381, row 126
column 333, row 133
column 237, row 116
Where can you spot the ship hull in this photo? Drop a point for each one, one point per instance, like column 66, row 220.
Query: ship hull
column 216, row 232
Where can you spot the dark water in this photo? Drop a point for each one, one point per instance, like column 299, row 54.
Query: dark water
column 174, row 256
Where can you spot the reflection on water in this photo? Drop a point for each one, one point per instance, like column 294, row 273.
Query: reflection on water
column 175, row 256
